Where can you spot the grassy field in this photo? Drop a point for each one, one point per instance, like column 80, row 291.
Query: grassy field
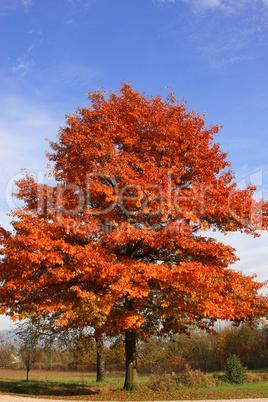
column 83, row 386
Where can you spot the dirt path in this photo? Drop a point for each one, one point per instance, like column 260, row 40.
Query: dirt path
column 11, row 398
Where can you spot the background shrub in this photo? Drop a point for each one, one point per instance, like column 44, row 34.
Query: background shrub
column 235, row 372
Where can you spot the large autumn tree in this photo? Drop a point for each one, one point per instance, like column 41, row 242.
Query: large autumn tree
column 123, row 241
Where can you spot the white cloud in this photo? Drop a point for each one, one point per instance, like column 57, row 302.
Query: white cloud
column 24, row 127
column 6, row 323
column 252, row 252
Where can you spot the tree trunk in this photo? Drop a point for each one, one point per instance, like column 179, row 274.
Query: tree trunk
column 131, row 375
column 100, row 357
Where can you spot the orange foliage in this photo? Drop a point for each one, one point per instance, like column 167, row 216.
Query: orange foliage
column 120, row 241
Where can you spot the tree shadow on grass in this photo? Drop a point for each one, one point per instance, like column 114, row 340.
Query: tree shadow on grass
column 46, row 388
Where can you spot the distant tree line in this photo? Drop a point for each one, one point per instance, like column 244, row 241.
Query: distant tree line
column 78, row 350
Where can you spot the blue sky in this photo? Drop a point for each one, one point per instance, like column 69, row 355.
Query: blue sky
column 212, row 53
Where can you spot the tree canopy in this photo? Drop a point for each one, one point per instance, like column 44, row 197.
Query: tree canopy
column 123, row 241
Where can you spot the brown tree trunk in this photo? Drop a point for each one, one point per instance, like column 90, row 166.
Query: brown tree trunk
column 131, row 375
column 100, row 357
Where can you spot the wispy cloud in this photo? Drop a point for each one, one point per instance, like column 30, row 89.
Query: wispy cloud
column 10, row 5
column 70, row 22
column 85, row 3
column 233, row 34
column 163, row 2
column 23, row 66
column 27, row 3
column 233, row 45
column 225, row 61
column 70, row 74
column 224, row 33
column 224, row 5
column 37, row 39
column 26, row 63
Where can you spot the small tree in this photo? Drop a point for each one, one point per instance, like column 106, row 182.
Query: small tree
column 28, row 334
column 235, row 372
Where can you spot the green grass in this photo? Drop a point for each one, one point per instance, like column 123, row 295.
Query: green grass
column 83, row 386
